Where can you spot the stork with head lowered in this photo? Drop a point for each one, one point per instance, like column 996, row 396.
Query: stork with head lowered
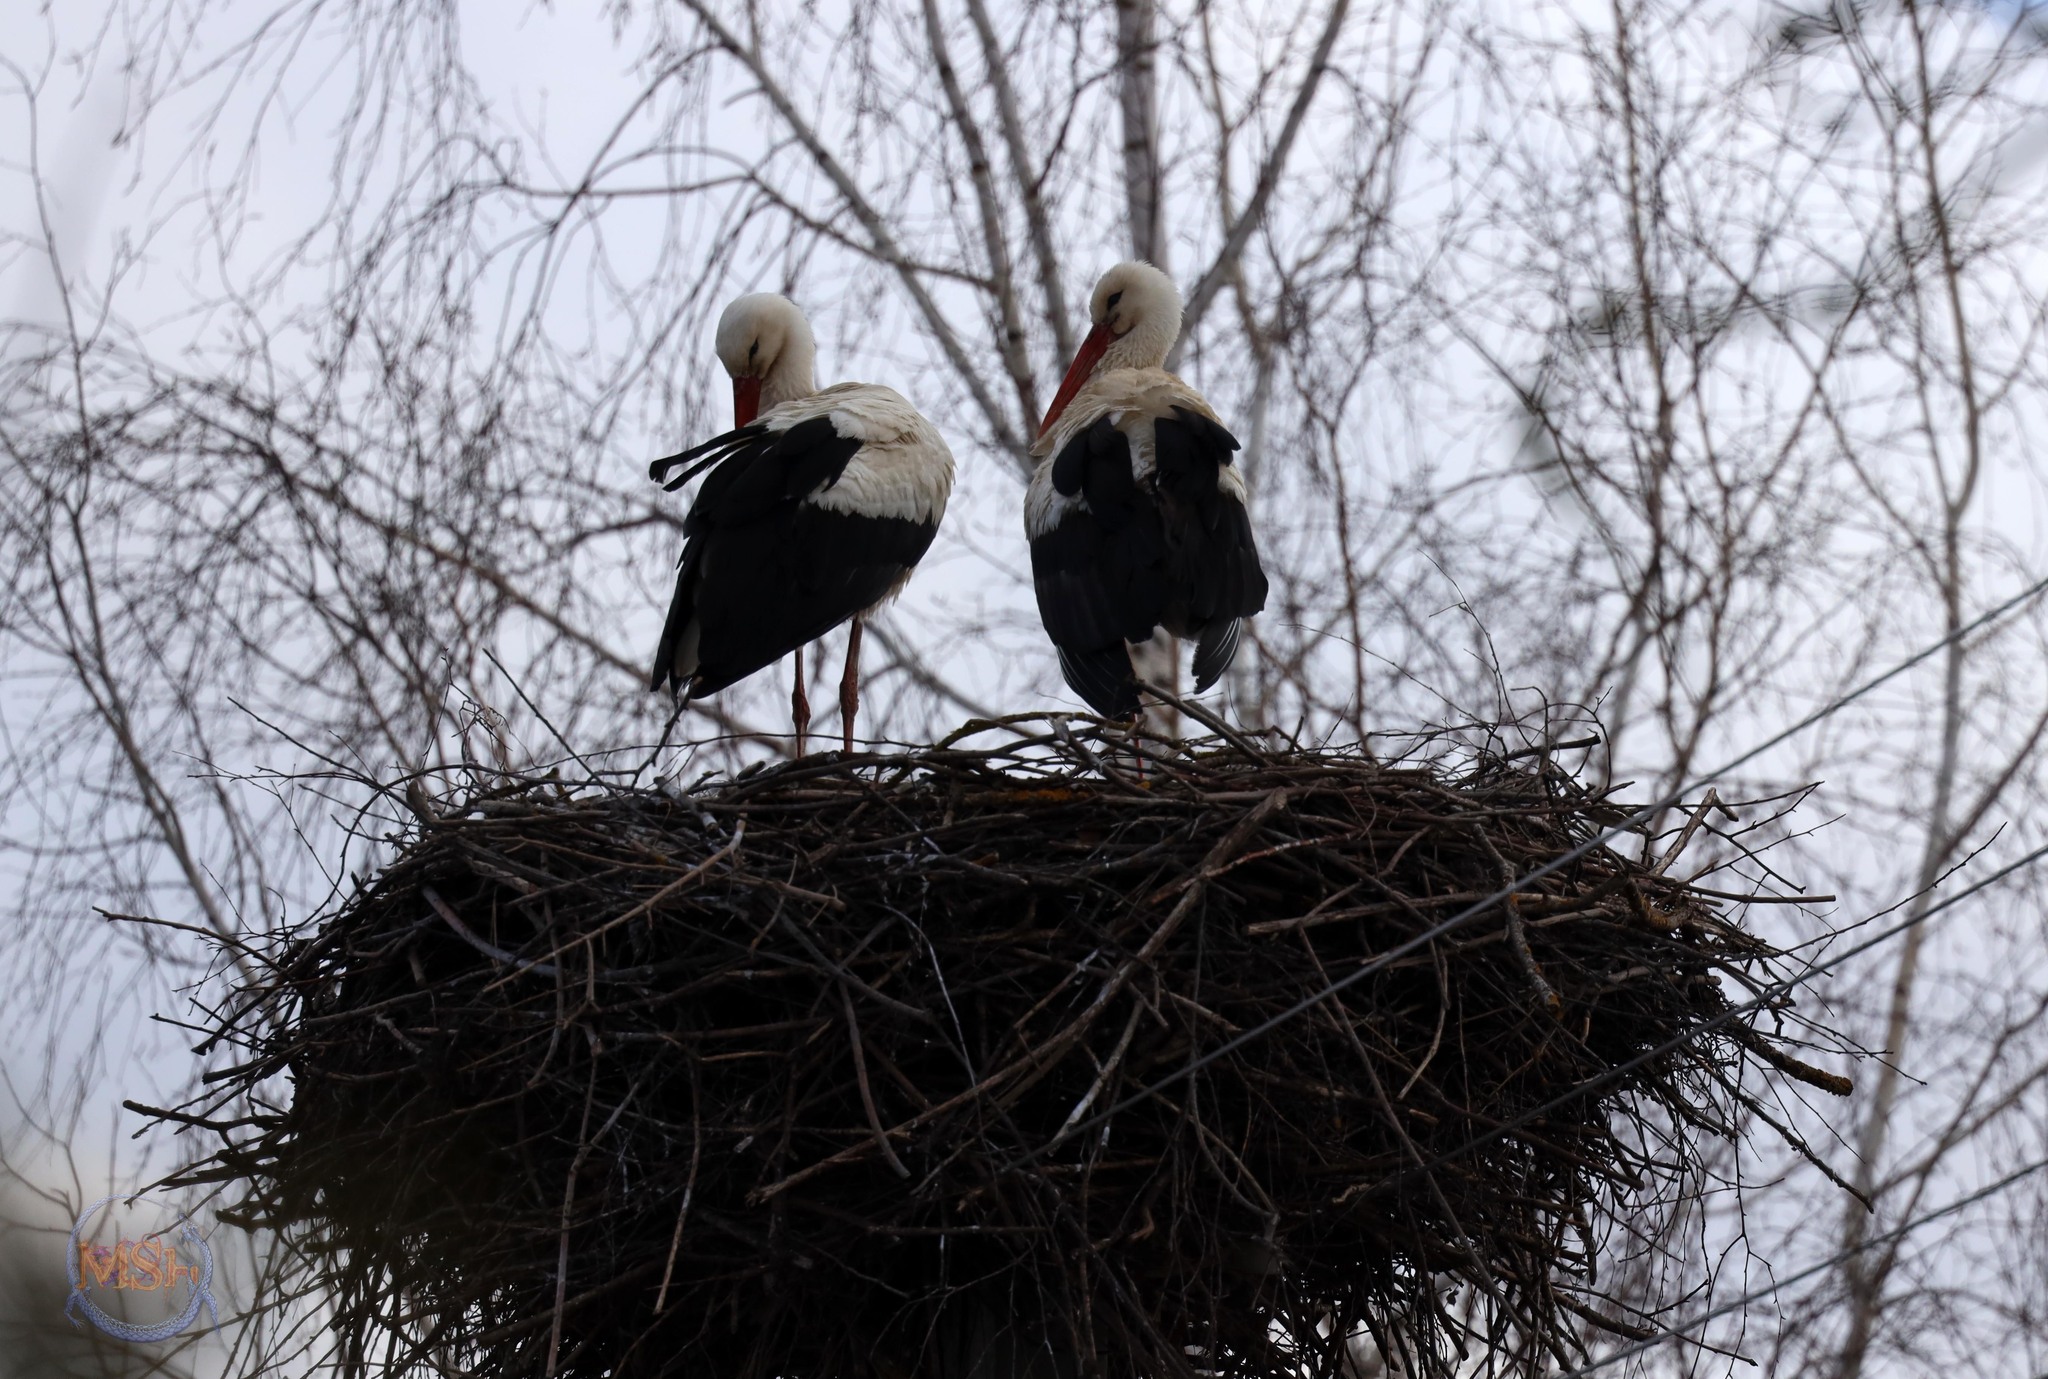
column 819, row 504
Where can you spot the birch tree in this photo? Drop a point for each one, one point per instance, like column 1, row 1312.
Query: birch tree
column 1661, row 365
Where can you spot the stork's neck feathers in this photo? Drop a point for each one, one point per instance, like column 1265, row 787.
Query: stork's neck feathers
column 791, row 375
column 1146, row 344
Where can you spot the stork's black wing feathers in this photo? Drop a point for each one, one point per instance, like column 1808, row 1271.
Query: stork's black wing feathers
column 682, row 611
column 762, row 571
column 1102, row 677
column 1098, row 588
column 1215, row 649
column 758, row 468
column 789, row 578
column 1100, row 574
column 1215, row 560
column 1176, row 550
column 712, row 451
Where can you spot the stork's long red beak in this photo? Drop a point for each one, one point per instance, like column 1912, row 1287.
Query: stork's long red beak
column 746, row 400
column 1085, row 359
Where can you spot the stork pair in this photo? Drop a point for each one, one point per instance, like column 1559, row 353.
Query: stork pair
column 820, row 503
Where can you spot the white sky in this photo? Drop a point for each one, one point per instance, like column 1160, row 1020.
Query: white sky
column 560, row 76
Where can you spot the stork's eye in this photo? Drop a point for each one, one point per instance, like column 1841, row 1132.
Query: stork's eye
column 753, row 349
column 1114, row 298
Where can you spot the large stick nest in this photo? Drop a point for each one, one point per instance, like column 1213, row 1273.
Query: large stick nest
column 834, row 1069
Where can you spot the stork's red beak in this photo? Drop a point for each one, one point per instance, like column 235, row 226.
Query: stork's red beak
column 1085, row 359
column 746, row 400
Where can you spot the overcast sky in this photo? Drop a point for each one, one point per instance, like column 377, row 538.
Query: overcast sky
column 145, row 253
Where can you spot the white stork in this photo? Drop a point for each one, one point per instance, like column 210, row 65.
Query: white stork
column 1135, row 513
column 821, row 504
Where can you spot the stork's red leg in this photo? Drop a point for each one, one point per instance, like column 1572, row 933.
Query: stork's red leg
column 799, row 705
column 849, row 686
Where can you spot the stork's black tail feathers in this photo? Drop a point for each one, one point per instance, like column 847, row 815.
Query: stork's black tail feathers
column 1215, row 648
column 1103, row 677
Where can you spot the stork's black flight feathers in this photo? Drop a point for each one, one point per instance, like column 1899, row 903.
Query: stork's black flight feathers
column 1172, row 549
column 764, row 569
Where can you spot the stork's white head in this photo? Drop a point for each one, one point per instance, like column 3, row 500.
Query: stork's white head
column 766, row 345
column 1134, row 318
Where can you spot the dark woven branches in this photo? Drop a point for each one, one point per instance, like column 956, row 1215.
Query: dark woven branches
column 800, row 1074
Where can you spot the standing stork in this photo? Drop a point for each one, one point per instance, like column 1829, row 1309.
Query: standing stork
column 1135, row 513
column 820, row 505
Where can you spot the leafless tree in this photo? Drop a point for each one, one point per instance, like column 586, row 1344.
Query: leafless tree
column 1678, row 360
